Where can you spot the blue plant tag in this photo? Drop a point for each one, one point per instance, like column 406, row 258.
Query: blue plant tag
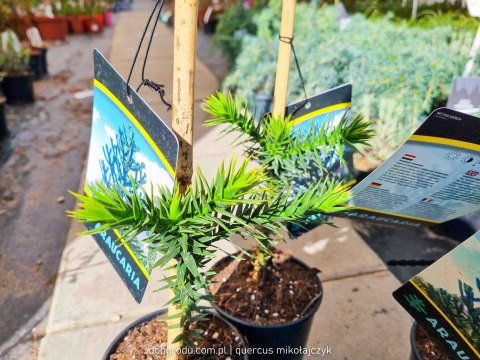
column 445, row 299
column 329, row 106
column 128, row 141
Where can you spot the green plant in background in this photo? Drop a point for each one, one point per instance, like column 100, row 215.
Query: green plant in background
column 5, row 13
column 396, row 8
column 78, row 7
column 186, row 226
column 232, row 25
column 13, row 62
column 429, row 19
column 401, row 73
column 291, row 159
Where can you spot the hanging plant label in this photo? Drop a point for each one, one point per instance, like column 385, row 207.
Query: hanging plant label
column 129, row 142
column 330, row 106
column 445, row 298
column 434, row 177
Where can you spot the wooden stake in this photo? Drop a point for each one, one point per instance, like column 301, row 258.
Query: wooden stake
column 284, row 54
column 185, row 39
column 183, row 85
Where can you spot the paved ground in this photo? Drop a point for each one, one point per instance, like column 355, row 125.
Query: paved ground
column 41, row 161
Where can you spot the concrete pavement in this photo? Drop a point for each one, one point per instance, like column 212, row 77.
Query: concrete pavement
column 358, row 318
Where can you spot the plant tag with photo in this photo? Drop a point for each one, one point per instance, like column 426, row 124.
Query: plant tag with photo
column 445, row 299
column 434, row 177
column 330, row 106
column 128, row 142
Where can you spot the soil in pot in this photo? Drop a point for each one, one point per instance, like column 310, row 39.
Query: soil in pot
column 146, row 341
column 428, row 348
column 287, row 292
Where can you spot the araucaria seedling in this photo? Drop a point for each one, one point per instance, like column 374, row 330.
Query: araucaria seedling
column 185, row 226
column 294, row 161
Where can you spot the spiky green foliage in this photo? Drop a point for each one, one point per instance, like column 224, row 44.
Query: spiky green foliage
column 276, row 144
column 291, row 158
column 186, row 226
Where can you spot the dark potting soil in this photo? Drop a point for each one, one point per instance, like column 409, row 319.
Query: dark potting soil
column 146, row 341
column 286, row 293
column 429, row 349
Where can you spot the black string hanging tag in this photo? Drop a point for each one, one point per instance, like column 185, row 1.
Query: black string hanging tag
column 289, row 40
column 159, row 88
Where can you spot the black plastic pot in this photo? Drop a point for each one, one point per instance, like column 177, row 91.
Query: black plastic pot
column 44, row 52
column 36, row 65
column 18, row 88
column 3, row 119
column 113, row 346
column 272, row 337
column 44, row 63
column 413, row 334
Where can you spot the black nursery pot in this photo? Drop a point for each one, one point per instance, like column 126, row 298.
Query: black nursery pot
column 36, row 65
column 43, row 52
column 3, row 119
column 279, row 337
column 113, row 346
column 413, row 334
column 18, row 88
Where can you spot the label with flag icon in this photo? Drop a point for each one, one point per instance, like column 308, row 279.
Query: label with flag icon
column 436, row 163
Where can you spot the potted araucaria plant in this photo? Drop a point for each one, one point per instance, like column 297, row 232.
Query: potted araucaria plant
column 185, row 227
column 276, row 294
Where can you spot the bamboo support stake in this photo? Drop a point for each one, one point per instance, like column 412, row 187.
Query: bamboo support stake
column 185, row 39
column 284, row 55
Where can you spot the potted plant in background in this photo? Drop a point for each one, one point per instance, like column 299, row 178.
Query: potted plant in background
column 17, row 84
column 185, row 227
column 51, row 23
column 95, row 17
column 75, row 16
column 108, row 16
column 277, row 295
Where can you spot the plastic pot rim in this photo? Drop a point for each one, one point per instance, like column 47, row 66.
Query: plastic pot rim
column 413, row 342
column 313, row 308
column 116, row 341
